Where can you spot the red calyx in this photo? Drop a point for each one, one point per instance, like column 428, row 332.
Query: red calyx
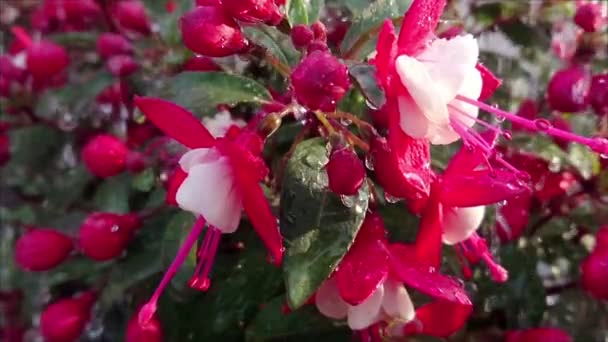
column 345, row 172
column 110, row 44
column 104, row 236
column 320, row 81
column 42, row 249
column 589, row 17
column 150, row 331
column 301, row 36
column 594, row 273
column 46, row 59
column 105, row 155
column 211, row 32
column 568, row 90
column 65, row 319
column 131, row 15
column 122, row 65
column 599, row 94
column 254, row 11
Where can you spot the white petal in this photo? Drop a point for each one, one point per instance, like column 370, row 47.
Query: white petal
column 367, row 313
column 423, row 89
column 198, row 156
column 442, row 135
column 471, row 88
column 329, row 302
column 460, row 223
column 209, row 191
column 411, row 119
column 448, row 62
column 397, row 302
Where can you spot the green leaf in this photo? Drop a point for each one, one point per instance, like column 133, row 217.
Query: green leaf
column 68, row 188
column 318, row 228
column 303, row 11
column 272, row 324
column 369, row 20
column 75, row 39
column 145, row 180
column 201, row 92
column 364, row 76
column 356, row 6
column 34, row 146
column 113, row 195
column 177, row 230
column 277, row 43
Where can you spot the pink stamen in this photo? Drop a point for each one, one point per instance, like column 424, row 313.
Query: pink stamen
column 597, row 144
column 22, row 36
column 148, row 310
column 477, row 120
column 478, row 245
column 200, row 280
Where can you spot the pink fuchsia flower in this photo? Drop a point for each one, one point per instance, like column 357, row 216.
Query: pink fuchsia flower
column 538, row 335
column 439, row 99
column 219, row 178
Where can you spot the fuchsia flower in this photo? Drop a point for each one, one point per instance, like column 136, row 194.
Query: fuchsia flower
column 368, row 288
column 217, row 178
column 438, row 84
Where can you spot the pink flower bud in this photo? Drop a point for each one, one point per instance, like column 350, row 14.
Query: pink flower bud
column 301, row 36
column 589, row 17
column 568, row 90
column 42, row 249
column 104, row 236
column 5, row 149
column 538, row 335
column 131, row 15
column 150, row 331
column 317, row 45
column 594, row 274
column 105, row 155
column 211, row 32
column 599, row 94
column 200, row 63
column 319, row 31
column 319, row 81
column 46, row 59
column 65, row 319
column 345, row 172
column 110, row 44
column 122, row 65
column 253, row 11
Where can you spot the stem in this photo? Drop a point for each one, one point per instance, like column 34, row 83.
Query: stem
column 282, row 68
column 353, row 139
column 364, row 38
column 364, row 125
column 321, row 117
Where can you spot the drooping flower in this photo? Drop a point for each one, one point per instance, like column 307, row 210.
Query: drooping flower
column 438, row 85
column 217, row 179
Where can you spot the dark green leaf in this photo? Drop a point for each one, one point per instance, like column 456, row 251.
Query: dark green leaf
column 75, row 39
column 356, row 6
column 68, row 188
column 277, row 43
column 113, row 195
column 34, row 146
column 145, row 180
column 364, row 76
column 369, row 20
column 318, row 227
column 303, row 11
column 201, row 92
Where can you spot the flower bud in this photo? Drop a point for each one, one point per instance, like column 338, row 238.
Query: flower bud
column 253, row 11
column 317, row 45
column 131, row 15
column 594, row 273
column 345, row 172
column 105, row 155
column 110, row 44
column 319, row 30
column 104, row 236
column 65, row 319
column 200, row 63
column 319, row 81
column 599, row 94
column 301, row 36
column 211, row 32
column 150, row 331
column 568, row 90
column 46, row 59
column 589, row 17
column 122, row 65
column 42, row 249
column 5, row 149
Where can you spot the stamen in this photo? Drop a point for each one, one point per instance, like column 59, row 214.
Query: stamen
column 148, row 310
column 479, row 121
column 597, row 144
column 478, row 244
column 200, row 280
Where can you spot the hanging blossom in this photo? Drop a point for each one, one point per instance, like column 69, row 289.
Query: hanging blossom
column 368, row 289
column 438, row 85
column 215, row 180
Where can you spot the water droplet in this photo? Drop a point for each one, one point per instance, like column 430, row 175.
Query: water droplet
column 390, row 198
column 369, row 161
column 348, row 201
column 555, row 164
column 114, row 228
column 600, row 145
column 370, row 105
column 508, row 135
column 346, row 122
column 542, row 124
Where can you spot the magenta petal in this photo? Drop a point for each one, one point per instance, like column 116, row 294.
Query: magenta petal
column 489, row 82
column 177, row 178
column 439, row 319
column 427, row 248
column 419, row 23
column 175, row 121
column 483, row 187
column 466, row 160
column 386, row 49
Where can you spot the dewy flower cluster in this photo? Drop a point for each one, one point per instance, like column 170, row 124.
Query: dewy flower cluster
column 354, row 269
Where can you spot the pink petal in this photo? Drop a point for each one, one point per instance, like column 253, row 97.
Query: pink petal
column 466, row 160
column 386, row 49
column 489, row 81
column 175, row 121
column 177, row 178
column 419, row 22
column 482, row 187
column 439, row 319
column 513, row 217
column 427, row 248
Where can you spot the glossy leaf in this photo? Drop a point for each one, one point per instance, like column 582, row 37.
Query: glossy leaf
column 303, row 11
column 364, row 76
